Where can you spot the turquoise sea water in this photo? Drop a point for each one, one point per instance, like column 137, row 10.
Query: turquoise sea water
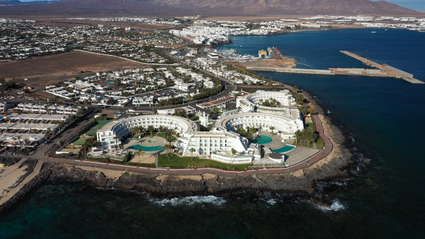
column 383, row 115
column 147, row 148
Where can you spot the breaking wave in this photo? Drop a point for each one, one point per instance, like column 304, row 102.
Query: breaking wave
column 190, row 200
column 336, row 206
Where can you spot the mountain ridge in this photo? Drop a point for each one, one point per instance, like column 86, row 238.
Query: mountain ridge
column 171, row 8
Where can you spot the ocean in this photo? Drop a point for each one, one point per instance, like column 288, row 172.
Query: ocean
column 384, row 116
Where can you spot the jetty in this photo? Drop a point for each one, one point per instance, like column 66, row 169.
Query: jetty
column 379, row 71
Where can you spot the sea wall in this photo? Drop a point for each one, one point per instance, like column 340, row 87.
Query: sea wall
column 301, row 182
column 27, row 188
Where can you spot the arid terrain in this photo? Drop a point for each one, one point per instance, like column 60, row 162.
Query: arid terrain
column 284, row 63
column 45, row 70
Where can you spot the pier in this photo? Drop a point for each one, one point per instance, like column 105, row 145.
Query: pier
column 382, row 70
column 379, row 71
column 292, row 70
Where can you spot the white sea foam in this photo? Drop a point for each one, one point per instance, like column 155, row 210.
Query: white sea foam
column 336, row 206
column 190, row 200
column 271, row 201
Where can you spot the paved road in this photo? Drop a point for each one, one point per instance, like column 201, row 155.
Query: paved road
column 197, row 171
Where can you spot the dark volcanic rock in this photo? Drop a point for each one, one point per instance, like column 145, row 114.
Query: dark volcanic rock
column 188, row 185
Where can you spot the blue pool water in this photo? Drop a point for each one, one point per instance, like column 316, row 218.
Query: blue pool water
column 284, row 149
column 264, row 139
column 147, row 148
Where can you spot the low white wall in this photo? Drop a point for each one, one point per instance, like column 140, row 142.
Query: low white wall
column 225, row 159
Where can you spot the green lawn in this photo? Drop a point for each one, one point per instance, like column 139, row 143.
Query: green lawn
column 80, row 141
column 100, row 123
column 183, row 162
column 320, row 144
column 303, row 144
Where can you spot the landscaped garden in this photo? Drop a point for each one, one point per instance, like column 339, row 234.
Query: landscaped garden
column 189, row 162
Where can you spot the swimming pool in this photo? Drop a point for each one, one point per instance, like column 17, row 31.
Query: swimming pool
column 285, row 149
column 146, row 148
column 264, row 139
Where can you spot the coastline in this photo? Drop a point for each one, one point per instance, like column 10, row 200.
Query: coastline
column 300, row 183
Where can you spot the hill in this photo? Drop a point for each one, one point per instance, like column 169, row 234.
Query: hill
column 163, row 8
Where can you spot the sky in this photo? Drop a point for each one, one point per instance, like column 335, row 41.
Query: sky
column 413, row 4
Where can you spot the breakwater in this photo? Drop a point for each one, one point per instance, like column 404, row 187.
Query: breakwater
column 292, row 70
column 384, row 70
column 27, row 188
column 380, row 71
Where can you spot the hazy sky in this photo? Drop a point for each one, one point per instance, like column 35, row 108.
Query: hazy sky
column 413, row 4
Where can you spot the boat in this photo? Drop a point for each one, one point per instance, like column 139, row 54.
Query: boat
column 373, row 32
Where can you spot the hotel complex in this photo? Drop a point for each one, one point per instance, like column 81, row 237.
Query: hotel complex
column 283, row 120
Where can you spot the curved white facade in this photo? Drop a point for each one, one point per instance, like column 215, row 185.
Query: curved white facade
column 283, row 97
column 122, row 127
column 252, row 103
column 288, row 125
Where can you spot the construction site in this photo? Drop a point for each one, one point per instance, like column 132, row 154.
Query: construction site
column 271, row 58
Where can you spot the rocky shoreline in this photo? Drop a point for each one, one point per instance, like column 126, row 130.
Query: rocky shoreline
column 26, row 189
column 301, row 184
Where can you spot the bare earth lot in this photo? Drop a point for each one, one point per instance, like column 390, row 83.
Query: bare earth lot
column 45, row 70
column 285, row 63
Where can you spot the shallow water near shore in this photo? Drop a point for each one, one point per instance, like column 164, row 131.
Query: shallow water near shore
column 384, row 116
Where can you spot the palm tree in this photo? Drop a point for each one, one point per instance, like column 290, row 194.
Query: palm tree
column 151, row 129
column 234, row 152
column 168, row 148
column 116, row 139
column 139, row 152
column 192, row 150
column 134, row 131
column 272, row 129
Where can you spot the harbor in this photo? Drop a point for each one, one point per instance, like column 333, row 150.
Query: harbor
column 378, row 71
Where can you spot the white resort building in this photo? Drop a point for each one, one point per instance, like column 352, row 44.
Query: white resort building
column 120, row 128
column 284, row 126
column 253, row 103
column 218, row 143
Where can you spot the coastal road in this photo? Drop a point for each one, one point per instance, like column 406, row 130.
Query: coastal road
column 194, row 171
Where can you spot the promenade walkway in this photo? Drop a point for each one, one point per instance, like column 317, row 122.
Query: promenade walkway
column 12, row 174
column 197, row 171
column 40, row 155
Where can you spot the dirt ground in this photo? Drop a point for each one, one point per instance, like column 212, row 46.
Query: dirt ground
column 143, row 159
column 286, row 63
column 46, row 70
